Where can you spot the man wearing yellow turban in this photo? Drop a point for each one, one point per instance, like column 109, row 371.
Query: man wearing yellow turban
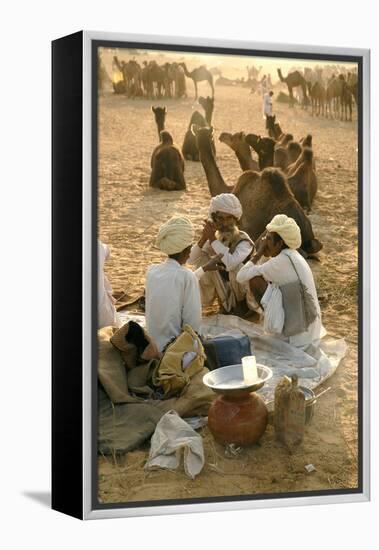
column 172, row 290
column 285, row 265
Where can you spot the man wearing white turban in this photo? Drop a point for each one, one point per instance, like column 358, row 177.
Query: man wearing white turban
column 221, row 235
column 285, row 265
column 172, row 290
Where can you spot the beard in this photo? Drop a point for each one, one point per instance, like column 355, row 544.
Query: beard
column 226, row 234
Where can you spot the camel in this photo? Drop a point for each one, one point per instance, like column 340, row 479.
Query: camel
column 133, row 78
column 284, row 140
column 167, row 165
column 207, row 104
column 253, row 72
column 306, row 141
column 317, row 94
column 272, row 127
column 333, row 96
column 264, row 147
column 177, row 80
column 262, row 196
column 189, row 148
column 352, row 82
column 153, row 79
column 160, row 117
column 242, row 150
column 345, row 99
column 303, row 180
column 199, row 75
column 294, row 80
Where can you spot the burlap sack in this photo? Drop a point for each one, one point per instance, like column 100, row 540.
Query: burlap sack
column 129, row 351
column 194, row 401
column 111, row 369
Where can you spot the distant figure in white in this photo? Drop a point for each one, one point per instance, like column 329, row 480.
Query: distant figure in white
column 107, row 315
column 267, row 107
column 264, row 85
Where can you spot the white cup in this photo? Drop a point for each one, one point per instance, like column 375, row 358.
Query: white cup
column 249, row 367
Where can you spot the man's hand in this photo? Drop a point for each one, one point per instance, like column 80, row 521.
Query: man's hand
column 209, row 231
column 214, row 264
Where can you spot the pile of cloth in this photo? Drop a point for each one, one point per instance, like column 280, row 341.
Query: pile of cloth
column 133, row 394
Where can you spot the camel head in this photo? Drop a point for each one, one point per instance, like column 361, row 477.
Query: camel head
column 159, row 114
column 306, row 141
column 286, row 139
column 271, row 125
column 234, row 141
column 207, row 104
column 204, row 136
column 264, row 147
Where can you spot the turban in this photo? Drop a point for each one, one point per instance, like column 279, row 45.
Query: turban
column 175, row 235
column 227, row 203
column 287, row 229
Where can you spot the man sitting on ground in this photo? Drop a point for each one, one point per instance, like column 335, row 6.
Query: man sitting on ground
column 172, row 290
column 285, row 265
column 222, row 236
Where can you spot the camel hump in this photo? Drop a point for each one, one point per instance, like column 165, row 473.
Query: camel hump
column 249, row 177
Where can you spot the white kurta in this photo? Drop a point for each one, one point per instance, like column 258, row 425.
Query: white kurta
column 231, row 261
column 267, row 105
column 279, row 270
column 107, row 315
column 172, row 300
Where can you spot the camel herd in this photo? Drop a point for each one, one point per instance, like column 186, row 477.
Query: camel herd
column 154, row 81
column 261, row 187
column 332, row 99
column 330, row 96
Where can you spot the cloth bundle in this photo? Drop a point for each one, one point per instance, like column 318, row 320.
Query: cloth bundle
column 172, row 438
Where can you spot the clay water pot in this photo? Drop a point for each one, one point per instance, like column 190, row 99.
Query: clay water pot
column 240, row 418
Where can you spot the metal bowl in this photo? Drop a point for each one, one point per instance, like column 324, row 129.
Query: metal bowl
column 229, row 380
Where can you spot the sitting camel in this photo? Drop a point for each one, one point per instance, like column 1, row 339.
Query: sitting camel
column 242, row 150
column 302, row 179
column 160, row 117
column 167, row 165
column 262, row 196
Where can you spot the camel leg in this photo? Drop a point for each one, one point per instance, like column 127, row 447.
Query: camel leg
column 291, row 103
column 258, row 287
column 195, row 83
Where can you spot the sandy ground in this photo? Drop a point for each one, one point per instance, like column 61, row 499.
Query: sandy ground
column 129, row 216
